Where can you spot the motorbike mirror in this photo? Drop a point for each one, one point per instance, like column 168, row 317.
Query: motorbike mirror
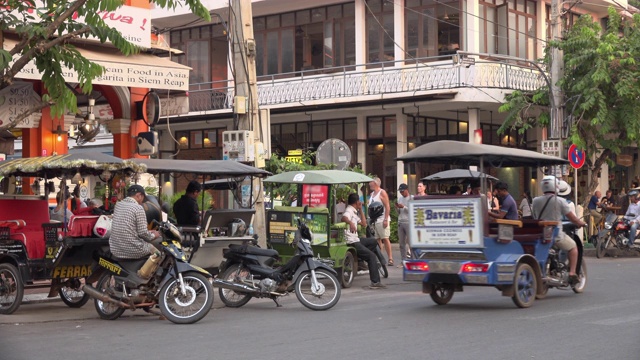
column 255, row 240
column 304, row 212
column 631, row 215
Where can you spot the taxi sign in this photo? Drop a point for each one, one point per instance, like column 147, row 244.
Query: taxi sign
column 576, row 157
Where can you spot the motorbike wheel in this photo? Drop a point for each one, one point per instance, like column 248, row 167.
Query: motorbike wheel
column 11, row 289
column 348, row 272
column 601, row 246
column 382, row 268
column 579, row 287
column 322, row 297
column 524, row 286
column 235, row 273
column 191, row 307
column 72, row 295
column 441, row 294
column 107, row 310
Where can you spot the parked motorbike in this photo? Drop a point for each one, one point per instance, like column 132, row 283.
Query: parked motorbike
column 181, row 290
column 614, row 235
column 556, row 273
column 248, row 272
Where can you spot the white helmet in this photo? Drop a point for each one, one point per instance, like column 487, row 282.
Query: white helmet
column 563, row 188
column 549, row 184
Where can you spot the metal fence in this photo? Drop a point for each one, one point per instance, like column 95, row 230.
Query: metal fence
column 348, row 82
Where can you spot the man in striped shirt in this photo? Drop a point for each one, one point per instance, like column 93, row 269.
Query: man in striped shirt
column 130, row 238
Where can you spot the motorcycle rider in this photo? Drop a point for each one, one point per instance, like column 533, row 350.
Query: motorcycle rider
column 551, row 207
column 633, row 214
column 354, row 215
column 130, row 238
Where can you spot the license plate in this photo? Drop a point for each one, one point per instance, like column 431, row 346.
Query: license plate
column 444, row 267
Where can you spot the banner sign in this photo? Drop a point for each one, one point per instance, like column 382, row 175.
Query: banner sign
column 315, row 195
column 445, row 223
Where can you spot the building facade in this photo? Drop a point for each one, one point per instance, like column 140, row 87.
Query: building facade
column 384, row 76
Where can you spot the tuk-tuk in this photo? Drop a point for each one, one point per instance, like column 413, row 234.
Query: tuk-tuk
column 204, row 243
column 34, row 248
column 455, row 244
column 317, row 190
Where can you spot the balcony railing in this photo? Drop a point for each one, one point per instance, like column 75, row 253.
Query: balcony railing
column 327, row 85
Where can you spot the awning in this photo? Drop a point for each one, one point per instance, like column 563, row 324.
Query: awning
column 139, row 70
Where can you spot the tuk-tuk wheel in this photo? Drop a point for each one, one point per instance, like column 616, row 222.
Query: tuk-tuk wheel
column 11, row 289
column 72, row 295
column 441, row 294
column 348, row 272
column 524, row 286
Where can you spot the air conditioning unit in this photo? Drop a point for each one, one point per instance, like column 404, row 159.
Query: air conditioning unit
column 237, row 145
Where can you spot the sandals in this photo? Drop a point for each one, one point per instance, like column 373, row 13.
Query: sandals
column 573, row 279
column 390, row 263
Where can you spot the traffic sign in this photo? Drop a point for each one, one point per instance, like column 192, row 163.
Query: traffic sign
column 576, row 157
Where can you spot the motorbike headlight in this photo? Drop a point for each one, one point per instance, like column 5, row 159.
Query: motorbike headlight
column 607, row 225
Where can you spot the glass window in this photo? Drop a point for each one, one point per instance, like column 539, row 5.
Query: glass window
column 272, row 52
column 287, row 50
column 258, row 24
column 211, row 138
column 318, row 14
column 198, row 59
column 319, row 131
column 288, row 19
column 273, row 22
column 375, row 128
column 334, row 12
column 303, row 17
column 350, row 129
column 335, row 129
column 195, row 139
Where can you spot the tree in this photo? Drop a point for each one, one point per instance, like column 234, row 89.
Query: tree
column 46, row 29
column 600, row 87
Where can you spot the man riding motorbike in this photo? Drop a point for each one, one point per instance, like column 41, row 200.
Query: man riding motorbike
column 633, row 214
column 551, row 207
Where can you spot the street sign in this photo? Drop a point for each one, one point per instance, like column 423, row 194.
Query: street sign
column 576, row 157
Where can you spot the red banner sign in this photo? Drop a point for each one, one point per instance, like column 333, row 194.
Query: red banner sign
column 315, row 195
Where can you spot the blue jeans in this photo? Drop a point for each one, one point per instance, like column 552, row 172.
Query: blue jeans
column 632, row 233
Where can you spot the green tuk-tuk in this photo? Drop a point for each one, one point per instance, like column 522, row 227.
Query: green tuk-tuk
column 316, row 189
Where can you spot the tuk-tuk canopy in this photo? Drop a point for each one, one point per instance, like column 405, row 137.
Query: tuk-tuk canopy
column 319, row 177
column 467, row 154
column 215, row 168
column 85, row 163
column 458, row 174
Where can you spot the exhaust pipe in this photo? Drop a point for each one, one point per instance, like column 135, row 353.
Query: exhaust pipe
column 94, row 293
column 552, row 281
column 233, row 286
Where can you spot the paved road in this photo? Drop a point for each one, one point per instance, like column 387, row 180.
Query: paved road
column 398, row 322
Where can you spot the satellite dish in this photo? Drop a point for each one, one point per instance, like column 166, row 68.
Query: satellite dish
column 334, row 151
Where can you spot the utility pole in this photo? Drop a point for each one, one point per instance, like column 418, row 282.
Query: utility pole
column 246, row 92
column 557, row 112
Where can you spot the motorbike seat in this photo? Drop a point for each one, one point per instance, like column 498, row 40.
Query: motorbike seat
column 131, row 265
column 252, row 250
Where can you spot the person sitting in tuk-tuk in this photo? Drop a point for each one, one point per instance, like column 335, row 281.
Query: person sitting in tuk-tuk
column 354, row 215
column 508, row 208
column 186, row 208
column 60, row 212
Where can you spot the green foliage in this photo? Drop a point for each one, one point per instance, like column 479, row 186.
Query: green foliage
column 46, row 40
column 278, row 164
column 600, row 90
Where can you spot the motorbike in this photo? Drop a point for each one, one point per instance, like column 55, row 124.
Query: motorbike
column 181, row 290
column 614, row 235
column 249, row 271
column 556, row 273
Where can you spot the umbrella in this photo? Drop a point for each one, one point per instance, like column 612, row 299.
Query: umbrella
column 466, row 154
column 85, row 163
column 319, row 177
column 458, row 174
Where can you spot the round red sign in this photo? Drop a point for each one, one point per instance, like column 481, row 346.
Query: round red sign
column 576, row 157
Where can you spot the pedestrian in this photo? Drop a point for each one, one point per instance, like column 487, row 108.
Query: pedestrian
column 421, row 189
column 382, row 226
column 60, row 213
column 402, row 205
column 508, row 207
column 525, row 205
column 186, row 208
column 594, row 203
column 492, row 202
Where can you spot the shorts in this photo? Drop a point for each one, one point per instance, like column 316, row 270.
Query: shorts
column 564, row 242
column 381, row 232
